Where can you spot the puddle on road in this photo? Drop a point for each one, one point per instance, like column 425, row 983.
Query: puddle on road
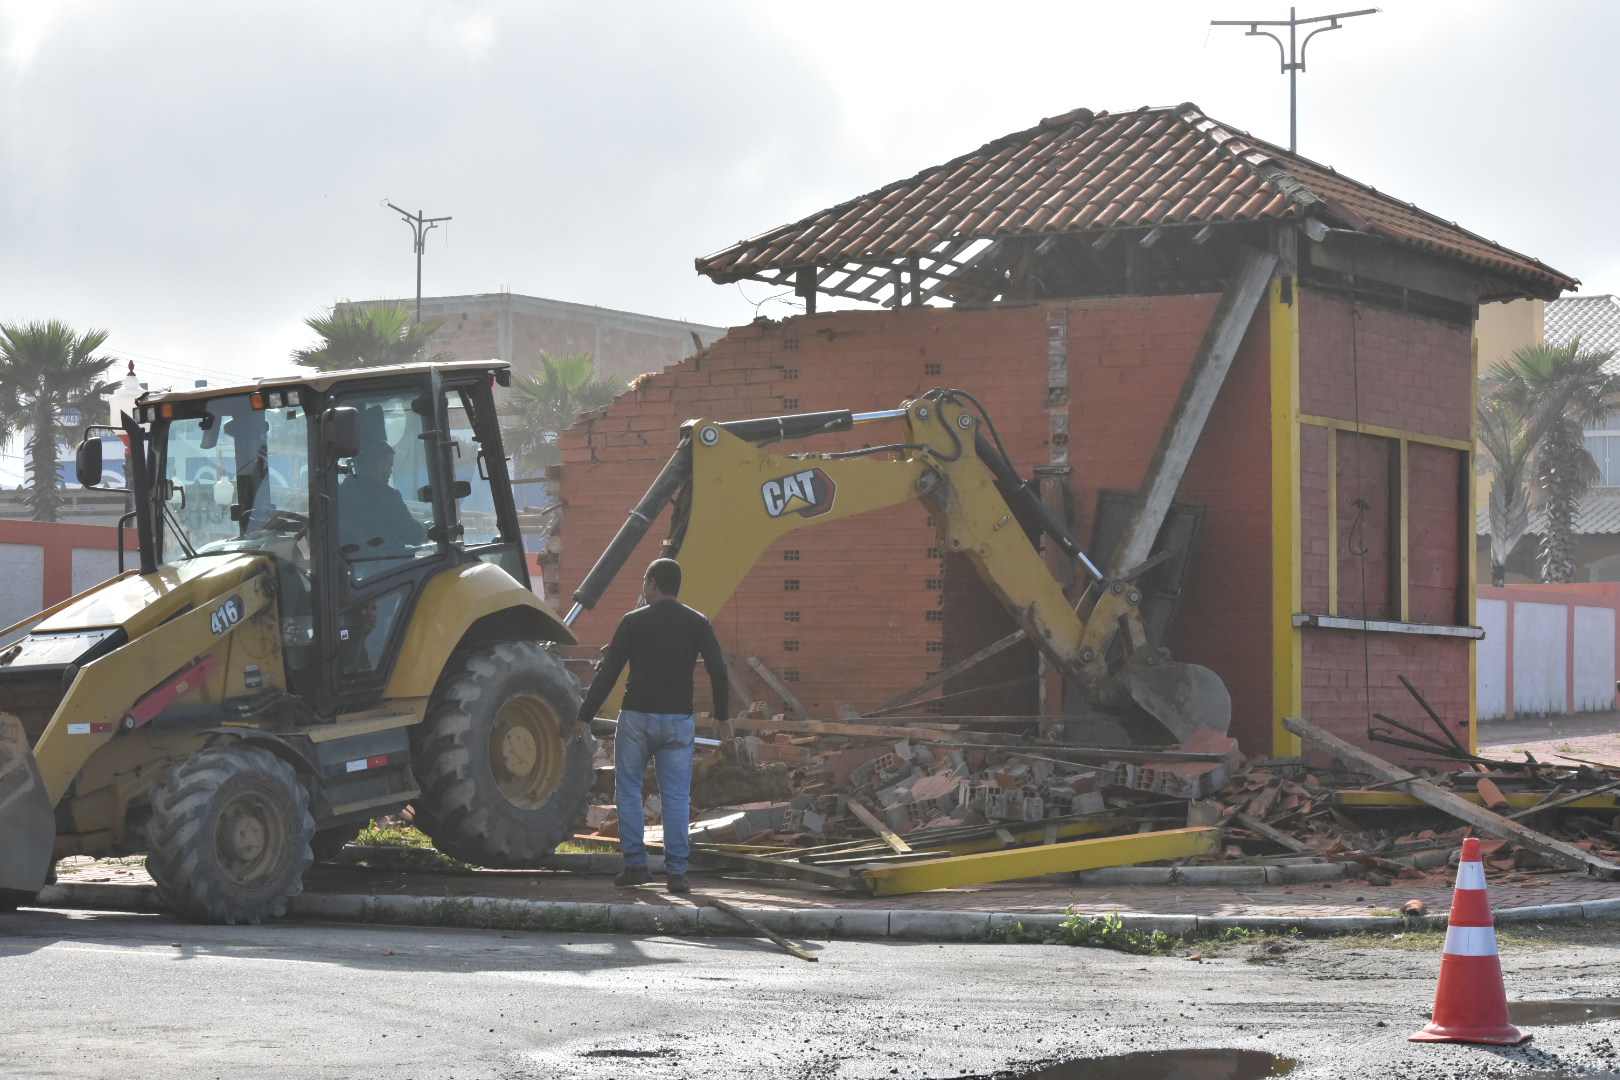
column 1560, row 1013
column 1168, row 1065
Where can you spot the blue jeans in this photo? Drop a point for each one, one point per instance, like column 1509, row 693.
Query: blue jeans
column 666, row 739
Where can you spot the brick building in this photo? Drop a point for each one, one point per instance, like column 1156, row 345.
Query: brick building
column 1086, row 263
column 516, row 328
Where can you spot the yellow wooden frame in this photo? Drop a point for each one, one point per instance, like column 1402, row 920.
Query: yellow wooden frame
column 1403, row 562
column 1015, row 863
column 1287, row 580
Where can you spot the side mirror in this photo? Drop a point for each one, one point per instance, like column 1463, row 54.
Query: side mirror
column 87, row 462
column 340, row 428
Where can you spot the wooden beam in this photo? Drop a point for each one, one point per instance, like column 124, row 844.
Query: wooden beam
column 1180, row 437
column 1015, row 863
column 841, row 880
column 1255, row 825
column 1452, row 803
column 871, row 821
column 951, row 672
column 760, row 928
column 794, row 704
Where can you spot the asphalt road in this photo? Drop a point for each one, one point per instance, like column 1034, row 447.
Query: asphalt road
column 116, row 995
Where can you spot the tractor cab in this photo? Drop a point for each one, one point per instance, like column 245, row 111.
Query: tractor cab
column 359, row 487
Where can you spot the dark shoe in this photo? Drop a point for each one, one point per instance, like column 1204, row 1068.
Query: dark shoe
column 632, row 875
column 677, row 884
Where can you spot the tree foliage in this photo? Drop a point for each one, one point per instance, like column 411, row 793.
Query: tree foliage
column 542, row 407
column 46, row 368
column 1533, row 412
column 356, row 337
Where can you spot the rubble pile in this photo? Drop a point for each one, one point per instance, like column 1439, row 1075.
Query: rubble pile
column 781, row 786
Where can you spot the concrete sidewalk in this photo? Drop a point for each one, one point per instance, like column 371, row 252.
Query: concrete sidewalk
column 585, row 897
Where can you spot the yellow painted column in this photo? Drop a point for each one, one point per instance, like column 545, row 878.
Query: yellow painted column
column 1471, row 547
column 1287, row 586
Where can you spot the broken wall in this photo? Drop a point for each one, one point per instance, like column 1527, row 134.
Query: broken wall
column 851, row 611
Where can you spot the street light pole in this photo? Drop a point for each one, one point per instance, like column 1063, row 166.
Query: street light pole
column 419, row 230
column 1293, row 62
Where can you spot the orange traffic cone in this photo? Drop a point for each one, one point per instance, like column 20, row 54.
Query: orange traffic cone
column 1470, row 1004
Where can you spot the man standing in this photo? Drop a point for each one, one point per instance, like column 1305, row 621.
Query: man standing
column 661, row 642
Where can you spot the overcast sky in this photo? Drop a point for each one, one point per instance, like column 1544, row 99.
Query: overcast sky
column 198, row 177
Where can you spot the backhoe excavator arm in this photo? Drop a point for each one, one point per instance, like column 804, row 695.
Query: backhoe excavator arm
column 733, row 500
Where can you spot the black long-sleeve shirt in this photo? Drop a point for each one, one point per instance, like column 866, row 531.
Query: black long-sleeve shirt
column 661, row 642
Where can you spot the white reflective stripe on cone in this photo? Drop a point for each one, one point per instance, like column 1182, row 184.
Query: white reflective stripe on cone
column 1471, row 940
column 1470, row 875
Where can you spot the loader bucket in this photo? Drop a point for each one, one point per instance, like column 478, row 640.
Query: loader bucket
column 1182, row 697
column 27, row 823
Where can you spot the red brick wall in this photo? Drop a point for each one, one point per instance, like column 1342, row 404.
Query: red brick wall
column 1128, row 358
column 1344, row 687
column 863, row 603
column 1413, row 374
column 1410, row 372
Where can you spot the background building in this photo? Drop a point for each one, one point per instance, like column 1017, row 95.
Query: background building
column 507, row 326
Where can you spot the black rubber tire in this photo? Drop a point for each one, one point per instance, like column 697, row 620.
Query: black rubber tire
column 328, row 842
column 229, row 837
column 503, row 782
column 12, row 899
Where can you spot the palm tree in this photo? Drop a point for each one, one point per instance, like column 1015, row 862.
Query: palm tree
column 46, row 368
column 541, row 408
column 1533, row 416
column 376, row 336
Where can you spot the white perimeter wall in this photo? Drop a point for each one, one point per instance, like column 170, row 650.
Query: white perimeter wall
column 22, row 572
column 1594, row 659
column 1545, row 659
column 1490, row 659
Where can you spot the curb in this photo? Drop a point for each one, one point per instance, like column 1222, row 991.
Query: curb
column 900, row 924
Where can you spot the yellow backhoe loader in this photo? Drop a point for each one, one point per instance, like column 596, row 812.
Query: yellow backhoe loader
column 732, row 499
column 331, row 619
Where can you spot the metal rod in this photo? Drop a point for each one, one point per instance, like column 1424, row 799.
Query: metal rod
column 884, row 414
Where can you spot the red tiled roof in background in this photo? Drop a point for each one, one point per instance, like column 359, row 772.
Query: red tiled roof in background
column 1085, row 171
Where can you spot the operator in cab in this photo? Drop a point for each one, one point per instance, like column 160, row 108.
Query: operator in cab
column 372, row 516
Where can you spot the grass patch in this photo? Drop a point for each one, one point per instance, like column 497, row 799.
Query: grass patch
column 464, row 913
column 588, row 847
column 1110, row 932
column 374, row 835
column 1415, row 939
column 408, row 849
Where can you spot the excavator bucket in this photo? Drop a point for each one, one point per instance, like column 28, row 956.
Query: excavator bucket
column 1182, row 697
column 27, row 824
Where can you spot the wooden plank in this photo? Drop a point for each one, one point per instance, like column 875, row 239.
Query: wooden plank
column 837, row 879
column 1566, row 801
column 794, row 704
column 871, row 821
column 1005, row 685
column 951, row 672
column 1453, row 804
column 1245, row 288
column 1255, row 825
column 760, row 928
column 955, row 737
column 1025, row 862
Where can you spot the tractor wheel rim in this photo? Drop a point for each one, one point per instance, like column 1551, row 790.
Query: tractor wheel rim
column 249, row 838
column 526, row 751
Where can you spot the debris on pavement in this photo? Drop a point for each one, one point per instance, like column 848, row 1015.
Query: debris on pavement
column 898, row 804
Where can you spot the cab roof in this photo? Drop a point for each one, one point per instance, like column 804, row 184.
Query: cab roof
column 320, row 381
